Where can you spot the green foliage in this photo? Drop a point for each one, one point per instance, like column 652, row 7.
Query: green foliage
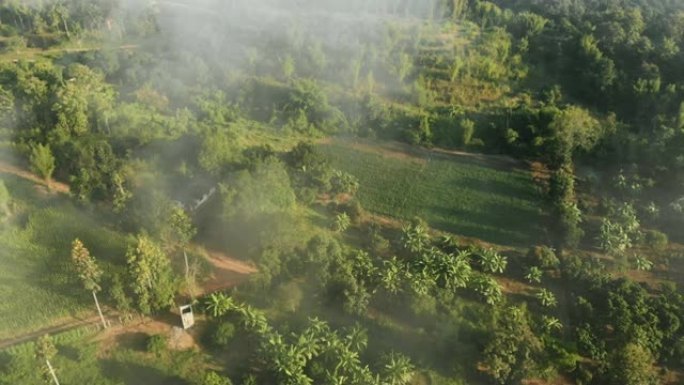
column 218, row 304
column 534, row 275
column 213, row 378
column 468, row 128
column 341, row 223
column 546, row 298
column 487, row 288
column 5, row 199
column 85, row 266
column 632, row 364
column 544, row 257
column 157, row 344
column 513, row 351
column 45, row 348
column 642, row 263
column 42, row 161
column 573, row 129
column 397, row 369
column 343, row 183
column 152, row 279
column 263, row 191
column 562, row 194
column 492, row 262
column 223, row 334
column 655, row 239
column 452, row 194
column 122, row 301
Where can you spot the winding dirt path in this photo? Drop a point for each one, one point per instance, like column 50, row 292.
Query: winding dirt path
column 227, row 272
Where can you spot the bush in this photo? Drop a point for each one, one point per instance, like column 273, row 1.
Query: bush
column 222, row 334
column 156, row 344
column 543, row 256
column 655, row 239
column 213, row 378
column 343, row 183
column 353, row 209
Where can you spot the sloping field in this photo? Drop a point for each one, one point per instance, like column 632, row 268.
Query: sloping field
column 37, row 286
column 486, row 197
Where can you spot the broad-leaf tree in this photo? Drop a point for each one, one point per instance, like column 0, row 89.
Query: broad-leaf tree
column 151, row 274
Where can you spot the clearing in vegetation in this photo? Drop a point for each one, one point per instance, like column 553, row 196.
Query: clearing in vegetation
column 465, row 195
column 36, row 286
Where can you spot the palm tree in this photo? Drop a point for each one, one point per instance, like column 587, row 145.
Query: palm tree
column 643, row 263
column 488, row 288
column 534, row 275
column 357, row 338
column 546, row 298
column 342, row 222
column 347, row 359
column 415, row 237
column 492, row 262
column 551, row 323
column 391, row 274
column 452, row 271
column 398, row 370
column 219, row 304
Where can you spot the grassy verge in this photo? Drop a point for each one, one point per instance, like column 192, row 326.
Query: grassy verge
column 37, row 285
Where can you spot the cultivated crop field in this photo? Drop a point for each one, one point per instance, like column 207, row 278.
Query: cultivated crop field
column 37, row 287
column 461, row 194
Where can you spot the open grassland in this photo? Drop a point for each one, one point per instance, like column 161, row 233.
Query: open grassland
column 37, row 286
column 467, row 195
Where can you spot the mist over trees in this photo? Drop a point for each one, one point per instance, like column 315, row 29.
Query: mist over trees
column 408, row 191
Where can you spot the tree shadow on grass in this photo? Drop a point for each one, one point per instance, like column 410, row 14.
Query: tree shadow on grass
column 135, row 374
column 136, row 341
column 501, row 224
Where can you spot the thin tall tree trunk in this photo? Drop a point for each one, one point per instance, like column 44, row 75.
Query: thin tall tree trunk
column 104, row 323
column 52, row 372
column 187, row 266
column 66, row 27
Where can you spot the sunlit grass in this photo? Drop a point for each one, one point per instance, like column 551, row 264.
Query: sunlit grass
column 455, row 194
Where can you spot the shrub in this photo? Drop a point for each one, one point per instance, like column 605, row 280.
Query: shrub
column 543, row 256
column 156, row 344
column 223, row 333
column 343, row 183
column 212, row 378
column 655, row 239
column 468, row 130
column 353, row 209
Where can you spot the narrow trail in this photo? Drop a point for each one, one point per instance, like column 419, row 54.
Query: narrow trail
column 75, row 324
column 227, row 273
column 7, row 168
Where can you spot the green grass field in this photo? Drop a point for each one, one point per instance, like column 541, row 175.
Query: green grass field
column 37, row 287
column 465, row 195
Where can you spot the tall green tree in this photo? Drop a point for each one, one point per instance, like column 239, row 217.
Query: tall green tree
column 152, row 279
column 42, row 161
column 632, row 364
column 88, row 271
column 45, row 350
column 514, row 350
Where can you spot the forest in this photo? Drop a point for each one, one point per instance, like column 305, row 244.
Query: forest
column 362, row 192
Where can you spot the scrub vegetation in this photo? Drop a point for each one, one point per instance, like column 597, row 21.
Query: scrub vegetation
column 385, row 192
